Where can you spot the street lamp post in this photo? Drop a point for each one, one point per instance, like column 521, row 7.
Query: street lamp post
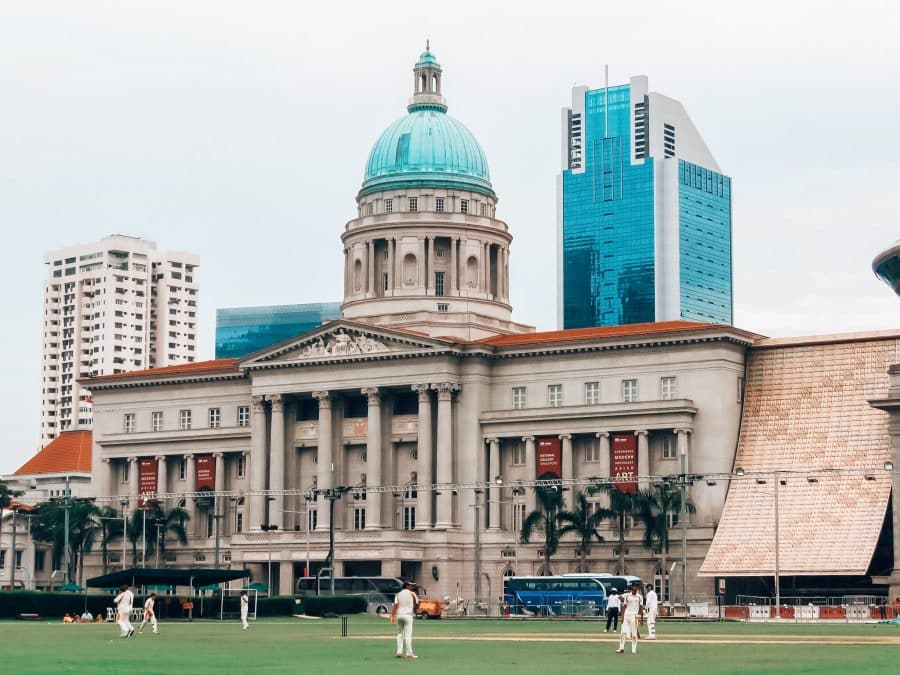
column 269, row 529
column 477, row 509
column 67, row 504
column 144, row 534
column 332, row 495
column 12, row 568
column 124, row 531
column 683, row 517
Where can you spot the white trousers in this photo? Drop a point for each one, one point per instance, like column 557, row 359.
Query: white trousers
column 125, row 623
column 152, row 621
column 404, row 634
column 629, row 631
column 244, row 612
column 651, row 622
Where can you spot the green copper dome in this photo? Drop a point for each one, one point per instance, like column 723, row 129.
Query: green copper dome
column 427, row 148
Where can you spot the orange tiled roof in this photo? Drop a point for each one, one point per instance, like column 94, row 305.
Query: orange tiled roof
column 806, row 408
column 195, row 368
column 70, row 451
column 626, row 331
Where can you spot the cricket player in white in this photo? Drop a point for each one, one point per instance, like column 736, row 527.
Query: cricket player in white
column 149, row 615
column 245, row 610
column 652, row 604
column 632, row 603
column 124, row 602
column 402, row 613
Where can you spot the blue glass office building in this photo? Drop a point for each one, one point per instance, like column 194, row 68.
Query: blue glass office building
column 244, row 330
column 644, row 213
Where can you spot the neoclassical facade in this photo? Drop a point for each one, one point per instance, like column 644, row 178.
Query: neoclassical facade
column 426, row 404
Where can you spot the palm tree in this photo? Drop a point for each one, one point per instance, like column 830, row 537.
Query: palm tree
column 658, row 504
column 165, row 523
column 545, row 517
column 110, row 529
column 584, row 523
column 621, row 506
column 48, row 525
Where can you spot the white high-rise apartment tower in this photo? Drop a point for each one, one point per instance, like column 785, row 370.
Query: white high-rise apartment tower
column 109, row 307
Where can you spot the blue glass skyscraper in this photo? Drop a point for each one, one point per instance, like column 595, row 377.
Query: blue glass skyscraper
column 244, row 330
column 644, row 213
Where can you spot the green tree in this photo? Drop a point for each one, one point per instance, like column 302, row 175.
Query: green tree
column 48, row 526
column 622, row 505
column 583, row 522
column 110, row 529
column 657, row 506
column 7, row 496
column 168, row 522
column 545, row 518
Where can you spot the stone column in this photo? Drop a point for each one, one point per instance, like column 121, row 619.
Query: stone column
column 603, row 437
column 392, row 250
column 373, row 457
column 257, row 514
column 325, row 465
column 486, row 267
column 425, row 470
column 347, row 288
column 684, row 448
column 162, row 480
column 504, row 273
column 429, row 263
column 453, row 271
column 276, row 462
column 191, row 476
column 398, row 266
column 494, row 492
column 219, row 502
column 643, row 463
column 420, row 282
column 445, row 453
column 530, row 473
column 106, row 481
column 567, row 468
column 134, row 477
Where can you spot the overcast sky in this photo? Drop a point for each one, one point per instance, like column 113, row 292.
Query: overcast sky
column 239, row 131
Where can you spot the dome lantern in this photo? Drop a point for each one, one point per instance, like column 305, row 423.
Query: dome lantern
column 427, row 83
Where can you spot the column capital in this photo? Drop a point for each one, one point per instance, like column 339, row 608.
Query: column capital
column 528, row 438
column 160, row 458
column 132, row 459
column 423, row 390
column 277, row 401
column 640, row 432
column 602, row 434
column 218, row 455
column 565, row 437
column 492, row 440
column 324, row 398
column 684, row 431
column 106, row 460
column 189, row 456
column 372, row 395
column 445, row 389
column 256, row 403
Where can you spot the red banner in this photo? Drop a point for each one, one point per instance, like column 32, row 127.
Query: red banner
column 147, row 473
column 549, row 459
column 624, row 462
column 205, row 472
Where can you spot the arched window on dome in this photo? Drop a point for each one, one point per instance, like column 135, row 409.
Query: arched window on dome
column 410, row 270
column 357, row 276
column 472, row 272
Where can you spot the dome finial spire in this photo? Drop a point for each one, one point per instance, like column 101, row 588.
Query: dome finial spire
column 427, row 83
column 427, row 45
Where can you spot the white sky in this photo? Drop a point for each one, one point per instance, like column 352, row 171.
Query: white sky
column 239, row 131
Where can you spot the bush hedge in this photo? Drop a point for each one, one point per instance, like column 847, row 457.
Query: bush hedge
column 50, row 605
column 331, row 605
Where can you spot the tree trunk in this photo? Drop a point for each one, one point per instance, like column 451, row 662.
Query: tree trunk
column 622, row 544
column 663, row 566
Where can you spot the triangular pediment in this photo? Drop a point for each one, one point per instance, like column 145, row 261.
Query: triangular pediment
column 342, row 339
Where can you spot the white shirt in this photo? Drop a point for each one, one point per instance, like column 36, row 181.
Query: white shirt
column 652, row 601
column 148, row 605
column 124, row 601
column 406, row 602
column 245, row 604
column 614, row 602
column 632, row 602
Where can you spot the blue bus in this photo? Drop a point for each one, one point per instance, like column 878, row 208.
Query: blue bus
column 562, row 595
column 609, row 581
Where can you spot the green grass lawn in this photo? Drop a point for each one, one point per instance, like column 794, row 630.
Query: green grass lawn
column 470, row 647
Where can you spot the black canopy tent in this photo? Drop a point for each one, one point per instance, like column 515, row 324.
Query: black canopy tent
column 169, row 576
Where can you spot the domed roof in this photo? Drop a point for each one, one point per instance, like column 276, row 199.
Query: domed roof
column 427, row 147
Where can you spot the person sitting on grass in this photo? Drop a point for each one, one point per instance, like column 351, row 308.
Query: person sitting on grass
column 67, row 618
column 87, row 617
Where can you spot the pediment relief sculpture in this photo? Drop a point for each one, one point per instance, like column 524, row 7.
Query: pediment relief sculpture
column 342, row 343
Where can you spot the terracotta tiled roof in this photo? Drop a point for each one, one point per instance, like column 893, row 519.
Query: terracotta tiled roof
column 70, row 451
column 806, row 408
column 627, row 331
column 195, row 368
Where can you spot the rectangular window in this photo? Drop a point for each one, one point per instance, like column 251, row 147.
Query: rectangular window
column 629, row 391
column 518, row 455
column 667, row 388
column 215, row 418
column 184, row 419
column 672, row 519
column 388, row 205
column 384, row 282
column 182, row 469
column 439, row 204
column 39, row 560
column 413, row 204
column 592, row 450
column 669, row 447
column 238, row 522
column 518, row 516
column 591, row 393
column 17, row 561
column 443, row 307
column 463, row 205
column 243, row 415
column 484, row 209
column 3, row 559
column 312, row 519
column 241, row 467
column 156, row 419
column 740, row 390
column 439, row 283
column 554, row 395
column 409, row 517
column 518, row 398
column 129, row 423
column 210, row 525
column 359, row 518
column 126, row 466
column 370, row 208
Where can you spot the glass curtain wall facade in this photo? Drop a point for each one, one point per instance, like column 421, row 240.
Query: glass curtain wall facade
column 645, row 235
column 244, row 330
